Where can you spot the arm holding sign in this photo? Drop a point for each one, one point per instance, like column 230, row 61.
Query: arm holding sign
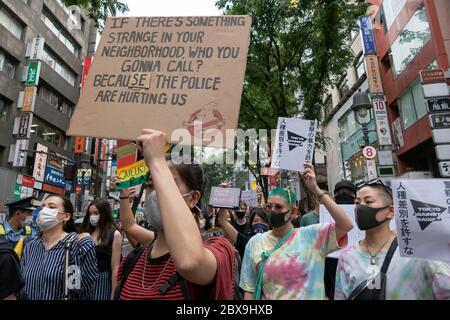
column 193, row 261
column 133, row 231
column 343, row 222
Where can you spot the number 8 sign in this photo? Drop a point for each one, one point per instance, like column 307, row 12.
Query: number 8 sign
column 369, row 152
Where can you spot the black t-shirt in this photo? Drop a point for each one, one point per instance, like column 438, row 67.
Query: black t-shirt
column 244, row 228
column 241, row 242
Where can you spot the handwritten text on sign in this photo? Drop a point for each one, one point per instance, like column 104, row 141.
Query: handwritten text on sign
column 164, row 73
column 133, row 175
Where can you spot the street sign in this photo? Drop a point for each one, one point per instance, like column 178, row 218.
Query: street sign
column 54, row 177
column 367, row 35
column 84, row 176
column 25, row 121
column 441, row 136
column 432, row 76
column 440, row 120
column 381, row 119
column 369, row 152
column 444, row 168
column 34, row 68
column 385, row 158
column 434, row 90
column 442, row 152
column 438, row 105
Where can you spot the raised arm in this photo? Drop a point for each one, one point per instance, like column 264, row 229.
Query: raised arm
column 343, row 222
column 230, row 232
column 193, row 262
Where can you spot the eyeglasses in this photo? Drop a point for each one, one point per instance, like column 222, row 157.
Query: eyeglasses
column 276, row 206
column 375, row 182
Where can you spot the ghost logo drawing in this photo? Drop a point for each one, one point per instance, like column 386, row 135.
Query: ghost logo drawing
column 210, row 119
column 426, row 213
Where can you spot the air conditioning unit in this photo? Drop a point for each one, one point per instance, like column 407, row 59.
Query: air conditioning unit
column 417, row 175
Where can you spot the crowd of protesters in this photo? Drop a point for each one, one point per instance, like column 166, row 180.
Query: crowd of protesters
column 184, row 251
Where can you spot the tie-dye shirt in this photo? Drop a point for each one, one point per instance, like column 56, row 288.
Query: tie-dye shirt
column 407, row 278
column 295, row 271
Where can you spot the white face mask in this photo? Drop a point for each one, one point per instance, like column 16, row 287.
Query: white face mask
column 47, row 219
column 93, row 219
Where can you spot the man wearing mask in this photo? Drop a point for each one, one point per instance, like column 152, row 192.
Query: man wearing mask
column 344, row 194
column 241, row 222
column 373, row 269
column 17, row 230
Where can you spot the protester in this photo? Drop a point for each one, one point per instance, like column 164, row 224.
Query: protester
column 241, row 219
column 312, row 216
column 344, row 194
column 258, row 222
column 17, row 230
column 177, row 259
column 44, row 257
column 288, row 263
column 11, row 280
column 99, row 223
column 361, row 275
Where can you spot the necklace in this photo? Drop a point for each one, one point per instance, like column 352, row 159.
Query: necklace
column 373, row 256
column 159, row 276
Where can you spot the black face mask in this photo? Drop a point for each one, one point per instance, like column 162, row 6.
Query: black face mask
column 240, row 214
column 344, row 198
column 366, row 217
column 278, row 219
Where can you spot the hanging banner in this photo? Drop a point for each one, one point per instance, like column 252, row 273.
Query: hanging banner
column 423, row 218
column 165, row 73
column 294, row 144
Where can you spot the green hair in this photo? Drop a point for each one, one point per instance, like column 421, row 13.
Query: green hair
column 286, row 194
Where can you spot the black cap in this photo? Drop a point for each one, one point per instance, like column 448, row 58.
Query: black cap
column 24, row 204
column 345, row 184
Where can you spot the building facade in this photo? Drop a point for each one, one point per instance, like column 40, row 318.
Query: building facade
column 52, row 98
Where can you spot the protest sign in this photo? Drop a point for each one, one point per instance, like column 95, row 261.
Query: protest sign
column 355, row 235
column 225, row 197
column 250, row 197
column 422, row 213
column 132, row 175
column 164, row 73
column 294, row 144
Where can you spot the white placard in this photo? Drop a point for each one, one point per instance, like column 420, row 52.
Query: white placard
column 294, row 144
column 20, row 156
column 385, row 158
column 250, row 198
column 355, row 235
column 435, row 90
column 371, row 169
column 422, row 213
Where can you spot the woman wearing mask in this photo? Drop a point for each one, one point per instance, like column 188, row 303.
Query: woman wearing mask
column 43, row 261
column 99, row 223
column 288, row 263
column 258, row 222
column 178, row 264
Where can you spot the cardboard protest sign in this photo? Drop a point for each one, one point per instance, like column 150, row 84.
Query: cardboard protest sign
column 225, row 197
column 132, row 175
column 422, row 214
column 164, row 73
column 250, row 197
column 355, row 235
column 294, row 144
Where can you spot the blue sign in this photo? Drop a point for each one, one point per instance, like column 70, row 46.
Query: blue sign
column 69, row 186
column 367, row 35
column 54, row 177
column 86, row 180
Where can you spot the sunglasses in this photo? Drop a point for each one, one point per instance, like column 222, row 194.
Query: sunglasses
column 375, row 182
column 276, row 206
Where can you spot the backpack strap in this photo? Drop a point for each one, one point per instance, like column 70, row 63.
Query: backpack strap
column 67, row 249
column 128, row 266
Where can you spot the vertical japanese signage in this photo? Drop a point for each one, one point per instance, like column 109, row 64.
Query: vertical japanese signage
column 25, row 121
column 37, row 46
column 367, row 35
column 79, row 145
column 40, row 162
column 20, row 154
column 29, row 99
column 34, row 68
column 382, row 122
column 374, row 77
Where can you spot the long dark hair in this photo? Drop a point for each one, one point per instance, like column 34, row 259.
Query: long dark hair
column 192, row 175
column 69, row 226
column 105, row 224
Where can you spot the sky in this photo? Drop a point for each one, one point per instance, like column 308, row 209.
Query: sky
column 171, row 8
